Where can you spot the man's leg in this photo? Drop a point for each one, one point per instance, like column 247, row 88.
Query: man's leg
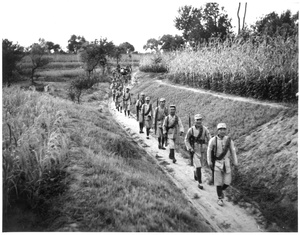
column 159, row 142
column 191, row 157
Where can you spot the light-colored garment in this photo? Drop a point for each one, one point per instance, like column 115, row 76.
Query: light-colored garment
column 147, row 108
column 172, row 132
column 139, row 104
column 222, row 166
column 126, row 101
column 159, row 116
column 199, row 148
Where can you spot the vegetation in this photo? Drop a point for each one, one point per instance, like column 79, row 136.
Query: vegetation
column 265, row 138
column 72, row 163
column 12, row 54
column 199, row 25
column 266, row 69
column 153, row 63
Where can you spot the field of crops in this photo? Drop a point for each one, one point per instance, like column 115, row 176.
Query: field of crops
column 265, row 69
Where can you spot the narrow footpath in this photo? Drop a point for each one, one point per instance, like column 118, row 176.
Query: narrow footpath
column 229, row 218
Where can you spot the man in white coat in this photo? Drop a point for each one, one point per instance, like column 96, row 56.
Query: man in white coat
column 172, row 126
column 219, row 149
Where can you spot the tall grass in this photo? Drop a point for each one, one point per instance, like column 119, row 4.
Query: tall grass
column 153, row 63
column 259, row 68
column 34, row 144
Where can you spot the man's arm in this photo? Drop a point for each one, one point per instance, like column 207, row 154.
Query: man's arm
column 181, row 129
column 233, row 153
column 209, row 148
column 187, row 140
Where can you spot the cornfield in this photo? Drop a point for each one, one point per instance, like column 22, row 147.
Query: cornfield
column 262, row 68
column 34, row 144
column 153, row 63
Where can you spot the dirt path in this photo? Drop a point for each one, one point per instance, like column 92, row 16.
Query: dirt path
column 229, row 218
column 224, row 96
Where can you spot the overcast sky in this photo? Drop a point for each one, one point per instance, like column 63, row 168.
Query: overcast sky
column 133, row 21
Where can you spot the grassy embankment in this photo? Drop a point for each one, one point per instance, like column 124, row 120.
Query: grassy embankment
column 70, row 167
column 266, row 141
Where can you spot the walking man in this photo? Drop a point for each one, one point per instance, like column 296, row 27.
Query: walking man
column 219, row 149
column 159, row 115
column 139, row 115
column 127, row 101
column 118, row 100
column 172, row 125
column 196, row 137
column 147, row 115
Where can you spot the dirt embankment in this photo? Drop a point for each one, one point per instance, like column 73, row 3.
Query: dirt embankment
column 266, row 137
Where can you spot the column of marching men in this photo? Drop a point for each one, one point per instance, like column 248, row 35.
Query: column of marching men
column 167, row 125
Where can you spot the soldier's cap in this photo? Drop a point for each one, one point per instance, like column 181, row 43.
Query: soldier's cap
column 127, row 88
column 162, row 99
column 221, row 125
column 198, row 116
column 172, row 106
column 147, row 98
column 142, row 94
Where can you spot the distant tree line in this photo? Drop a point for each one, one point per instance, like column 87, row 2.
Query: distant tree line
column 199, row 25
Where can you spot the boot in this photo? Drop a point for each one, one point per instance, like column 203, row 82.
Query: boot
column 159, row 142
column 198, row 173
column 173, row 155
column 147, row 132
column 162, row 143
column 141, row 127
column 128, row 111
column 192, row 158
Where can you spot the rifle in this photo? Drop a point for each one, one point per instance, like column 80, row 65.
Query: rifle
column 155, row 118
column 192, row 143
column 213, row 160
column 137, row 108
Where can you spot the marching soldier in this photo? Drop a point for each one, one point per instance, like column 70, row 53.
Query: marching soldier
column 127, row 101
column 139, row 104
column 118, row 100
column 147, row 113
column 172, row 125
column 219, row 149
column 197, row 136
column 159, row 115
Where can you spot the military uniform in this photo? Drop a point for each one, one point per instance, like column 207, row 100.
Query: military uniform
column 147, row 114
column 159, row 116
column 195, row 140
column 118, row 100
column 222, row 169
column 139, row 104
column 126, row 102
column 172, row 125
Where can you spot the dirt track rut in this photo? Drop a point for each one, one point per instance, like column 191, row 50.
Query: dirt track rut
column 229, row 218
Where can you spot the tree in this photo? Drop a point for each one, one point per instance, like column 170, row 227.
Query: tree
column 37, row 53
column 128, row 48
column 273, row 25
column 51, row 47
column 93, row 54
column 169, row 42
column 151, row 44
column 198, row 25
column 11, row 55
column 118, row 53
column 75, row 43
